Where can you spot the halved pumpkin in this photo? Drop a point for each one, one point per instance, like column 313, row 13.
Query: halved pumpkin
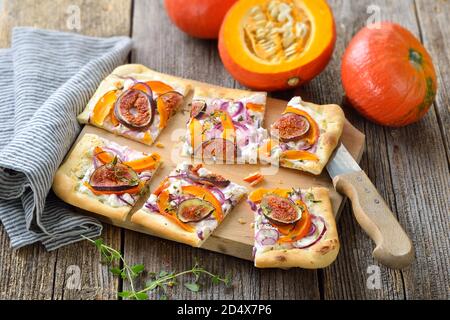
column 277, row 44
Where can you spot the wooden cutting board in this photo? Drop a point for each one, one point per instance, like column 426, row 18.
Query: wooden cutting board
column 235, row 234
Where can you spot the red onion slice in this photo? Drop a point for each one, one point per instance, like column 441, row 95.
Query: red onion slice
column 145, row 176
column 115, row 152
column 97, row 163
column 126, row 78
column 182, row 176
column 151, row 207
column 221, row 197
column 146, row 88
column 240, row 126
column 311, row 240
column 239, row 109
column 224, row 106
column 121, row 198
column 252, row 205
column 267, row 236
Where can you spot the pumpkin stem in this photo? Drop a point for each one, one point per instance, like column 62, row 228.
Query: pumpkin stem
column 415, row 57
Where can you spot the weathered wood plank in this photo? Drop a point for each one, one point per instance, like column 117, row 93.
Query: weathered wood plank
column 96, row 18
column 346, row 279
column 31, row 272
column 399, row 163
column 79, row 275
column 433, row 21
column 159, row 45
column 420, row 169
column 26, row 273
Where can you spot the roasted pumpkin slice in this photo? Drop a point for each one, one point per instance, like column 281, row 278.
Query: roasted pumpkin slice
column 277, row 44
column 167, row 104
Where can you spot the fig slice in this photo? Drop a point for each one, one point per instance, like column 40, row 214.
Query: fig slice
column 212, row 179
column 290, row 127
column 280, row 210
column 198, row 108
column 194, row 210
column 219, row 148
column 172, row 100
column 135, row 109
column 113, row 176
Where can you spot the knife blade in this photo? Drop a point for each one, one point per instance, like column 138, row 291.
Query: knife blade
column 393, row 246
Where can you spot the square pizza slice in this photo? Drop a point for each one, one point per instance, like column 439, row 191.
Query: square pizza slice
column 104, row 177
column 225, row 125
column 189, row 204
column 294, row 228
column 305, row 136
column 135, row 102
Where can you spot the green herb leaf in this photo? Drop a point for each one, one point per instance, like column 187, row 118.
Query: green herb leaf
column 192, row 286
column 116, row 271
column 141, row 296
column 137, row 268
column 151, row 285
column 162, row 280
column 125, row 294
column 215, row 280
column 98, row 243
column 163, row 274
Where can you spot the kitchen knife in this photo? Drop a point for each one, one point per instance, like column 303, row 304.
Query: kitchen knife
column 393, row 247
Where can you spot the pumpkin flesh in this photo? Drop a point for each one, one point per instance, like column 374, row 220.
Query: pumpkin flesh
column 277, row 44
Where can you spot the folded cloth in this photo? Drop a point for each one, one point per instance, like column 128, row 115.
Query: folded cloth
column 46, row 79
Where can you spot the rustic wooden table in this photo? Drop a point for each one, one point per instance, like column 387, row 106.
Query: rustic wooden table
column 410, row 167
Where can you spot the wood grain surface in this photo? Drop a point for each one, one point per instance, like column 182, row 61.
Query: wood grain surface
column 409, row 166
column 31, row 272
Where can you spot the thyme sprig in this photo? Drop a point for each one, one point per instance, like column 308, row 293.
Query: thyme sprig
column 159, row 282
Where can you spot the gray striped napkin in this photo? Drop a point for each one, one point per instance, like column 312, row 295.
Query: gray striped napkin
column 46, row 79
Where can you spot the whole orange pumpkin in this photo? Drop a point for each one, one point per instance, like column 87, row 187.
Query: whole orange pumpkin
column 388, row 75
column 198, row 18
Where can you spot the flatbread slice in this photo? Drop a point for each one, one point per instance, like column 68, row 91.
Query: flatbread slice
column 188, row 205
column 104, row 177
column 135, row 102
column 294, row 228
column 305, row 136
column 225, row 125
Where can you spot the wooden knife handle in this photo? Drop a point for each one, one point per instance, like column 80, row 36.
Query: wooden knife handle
column 393, row 247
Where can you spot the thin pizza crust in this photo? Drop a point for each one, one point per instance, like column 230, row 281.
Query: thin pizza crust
column 140, row 73
column 329, row 136
column 162, row 227
column 158, row 225
column 226, row 93
column 66, row 181
column 320, row 255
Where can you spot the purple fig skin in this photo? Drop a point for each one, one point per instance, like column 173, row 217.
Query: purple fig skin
column 118, row 112
column 198, row 109
column 104, row 178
